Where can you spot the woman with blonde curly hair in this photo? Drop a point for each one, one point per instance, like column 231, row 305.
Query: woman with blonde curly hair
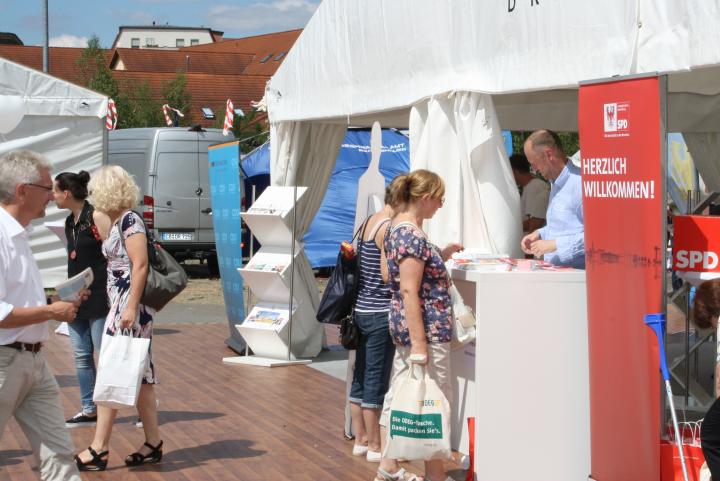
column 114, row 194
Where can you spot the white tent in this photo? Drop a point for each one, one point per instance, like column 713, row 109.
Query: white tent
column 65, row 123
column 457, row 71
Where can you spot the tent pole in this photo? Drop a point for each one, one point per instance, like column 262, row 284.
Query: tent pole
column 45, row 37
column 292, row 274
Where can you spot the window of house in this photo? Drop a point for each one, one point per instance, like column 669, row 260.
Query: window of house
column 265, row 59
column 179, row 42
column 194, row 41
column 280, row 57
column 134, row 43
column 208, row 113
column 150, row 42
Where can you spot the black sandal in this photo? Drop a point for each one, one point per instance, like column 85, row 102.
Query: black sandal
column 95, row 464
column 137, row 458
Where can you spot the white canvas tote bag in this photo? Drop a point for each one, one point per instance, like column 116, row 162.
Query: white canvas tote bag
column 122, row 363
column 419, row 425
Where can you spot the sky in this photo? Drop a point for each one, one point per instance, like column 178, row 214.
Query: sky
column 72, row 22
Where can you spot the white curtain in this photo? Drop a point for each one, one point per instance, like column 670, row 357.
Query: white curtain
column 303, row 154
column 459, row 137
column 704, row 148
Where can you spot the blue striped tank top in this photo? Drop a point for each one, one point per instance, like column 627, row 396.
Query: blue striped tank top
column 373, row 293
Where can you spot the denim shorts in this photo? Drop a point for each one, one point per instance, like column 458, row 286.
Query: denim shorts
column 373, row 360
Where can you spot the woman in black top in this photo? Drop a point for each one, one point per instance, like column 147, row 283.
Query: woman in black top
column 84, row 250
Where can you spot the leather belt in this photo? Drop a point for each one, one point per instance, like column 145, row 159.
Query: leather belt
column 22, row 346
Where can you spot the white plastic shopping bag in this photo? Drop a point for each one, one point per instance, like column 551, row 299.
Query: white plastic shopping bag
column 123, row 360
column 463, row 329
column 419, row 425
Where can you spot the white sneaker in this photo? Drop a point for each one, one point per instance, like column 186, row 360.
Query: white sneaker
column 359, row 450
column 374, row 456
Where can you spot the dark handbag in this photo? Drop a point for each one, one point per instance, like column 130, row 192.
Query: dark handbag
column 349, row 332
column 166, row 278
column 342, row 287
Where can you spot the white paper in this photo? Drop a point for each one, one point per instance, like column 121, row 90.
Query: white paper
column 58, row 228
column 68, row 290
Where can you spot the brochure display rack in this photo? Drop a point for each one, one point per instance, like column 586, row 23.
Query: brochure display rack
column 275, row 336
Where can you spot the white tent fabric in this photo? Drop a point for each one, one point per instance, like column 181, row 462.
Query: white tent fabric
column 65, row 123
column 371, row 59
column 459, row 137
column 704, row 149
column 304, row 155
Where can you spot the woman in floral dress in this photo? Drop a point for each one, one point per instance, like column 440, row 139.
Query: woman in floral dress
column 114, row 193
column 421, row 315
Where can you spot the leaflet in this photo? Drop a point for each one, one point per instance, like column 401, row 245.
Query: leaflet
column 69, row 290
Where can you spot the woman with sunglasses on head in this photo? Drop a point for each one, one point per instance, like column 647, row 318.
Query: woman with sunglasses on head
column 84, row 248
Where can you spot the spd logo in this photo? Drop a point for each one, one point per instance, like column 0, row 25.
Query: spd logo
column 615, row 119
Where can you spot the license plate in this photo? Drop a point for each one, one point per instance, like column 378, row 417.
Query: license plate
column 176, row 236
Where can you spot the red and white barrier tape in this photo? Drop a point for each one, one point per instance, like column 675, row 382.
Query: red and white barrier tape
column 166, row 112
column 229, row 116
column 111, row 119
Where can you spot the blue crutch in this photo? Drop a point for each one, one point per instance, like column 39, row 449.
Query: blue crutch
column 657, row 322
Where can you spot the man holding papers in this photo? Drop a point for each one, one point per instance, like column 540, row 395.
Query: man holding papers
column 28, row 389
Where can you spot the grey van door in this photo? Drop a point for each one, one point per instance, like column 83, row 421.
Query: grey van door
column 205, row 230
column 177, row 205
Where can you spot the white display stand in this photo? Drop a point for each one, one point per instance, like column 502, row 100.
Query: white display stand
column 267, row 328
column 531, row 388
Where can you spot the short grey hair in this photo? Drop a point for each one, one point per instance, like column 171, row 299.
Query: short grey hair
column 20, row 167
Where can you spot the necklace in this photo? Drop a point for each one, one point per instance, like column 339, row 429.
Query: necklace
column 73, row 252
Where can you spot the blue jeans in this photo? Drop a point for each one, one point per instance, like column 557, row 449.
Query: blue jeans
column 373, row 360
column 85, row 336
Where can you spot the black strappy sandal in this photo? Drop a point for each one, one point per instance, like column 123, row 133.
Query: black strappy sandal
column 95, row 464
column 137, row 458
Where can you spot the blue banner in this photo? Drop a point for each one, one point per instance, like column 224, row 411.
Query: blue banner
column 225, row 194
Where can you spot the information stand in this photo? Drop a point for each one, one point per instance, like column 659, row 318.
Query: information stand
column 275, row 337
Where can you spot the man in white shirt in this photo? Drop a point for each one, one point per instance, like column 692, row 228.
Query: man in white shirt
column 535, row 194
column 28, row 389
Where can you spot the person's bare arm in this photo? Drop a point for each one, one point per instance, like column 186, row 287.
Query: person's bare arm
column 411, row 272
column 136, row 247
column 103, row 224
column 26, row 316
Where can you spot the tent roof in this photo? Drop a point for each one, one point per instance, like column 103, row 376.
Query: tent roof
column 47, row 95
column 371, row 59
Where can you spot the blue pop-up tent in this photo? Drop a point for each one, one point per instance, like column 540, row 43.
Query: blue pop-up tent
column 334, row 221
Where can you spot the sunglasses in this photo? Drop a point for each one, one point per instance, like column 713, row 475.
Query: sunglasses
column 49, row 189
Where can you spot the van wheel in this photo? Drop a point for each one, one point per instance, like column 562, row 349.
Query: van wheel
column 212, row 264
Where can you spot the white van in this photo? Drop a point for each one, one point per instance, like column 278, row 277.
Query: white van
column 171, row 167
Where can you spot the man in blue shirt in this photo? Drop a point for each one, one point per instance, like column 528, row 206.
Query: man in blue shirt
column 561, row 242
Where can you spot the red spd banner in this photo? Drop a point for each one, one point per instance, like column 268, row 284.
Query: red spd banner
column 622, row 148
column 696, row 243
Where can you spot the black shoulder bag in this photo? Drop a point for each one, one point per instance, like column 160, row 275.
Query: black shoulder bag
column 341, row 291
column 166, row 278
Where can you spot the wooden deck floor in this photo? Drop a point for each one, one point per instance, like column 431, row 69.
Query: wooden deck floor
column 219, row 422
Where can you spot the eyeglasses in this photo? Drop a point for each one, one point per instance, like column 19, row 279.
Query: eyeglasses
column 45, row 187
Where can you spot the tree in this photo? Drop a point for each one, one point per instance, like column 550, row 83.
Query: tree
column 570, row 141
column 251, row 129
column 93, row 70
column 176, row 96
column 136, row 107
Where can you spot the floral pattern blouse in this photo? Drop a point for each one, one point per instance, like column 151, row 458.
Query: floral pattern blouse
column 407, row 240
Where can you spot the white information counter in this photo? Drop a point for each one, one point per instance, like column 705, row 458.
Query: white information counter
column 531, row 386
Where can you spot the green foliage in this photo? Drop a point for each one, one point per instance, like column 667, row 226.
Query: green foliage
column 93, row 71
column 249, row 129
column 136, row 108
column 176, row 96
column 570, row 141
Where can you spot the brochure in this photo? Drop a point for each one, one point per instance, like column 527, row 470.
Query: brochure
column 69, row 290
column 58, row 228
